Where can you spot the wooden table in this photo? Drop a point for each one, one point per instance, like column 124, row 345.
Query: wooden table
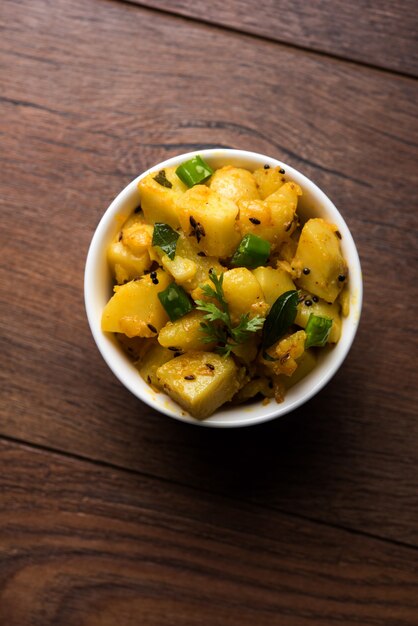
column 113, row 515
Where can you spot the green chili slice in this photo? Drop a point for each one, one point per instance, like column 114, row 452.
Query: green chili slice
column 251, row 252
column 194, row 171
column 175, row 301
column 317, row 330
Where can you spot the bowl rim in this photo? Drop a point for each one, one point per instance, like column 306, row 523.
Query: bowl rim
column 221, row 418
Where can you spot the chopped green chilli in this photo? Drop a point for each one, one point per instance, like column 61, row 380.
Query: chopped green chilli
column 162, row 179
column 175, row 301
column 165, row 238
column 317, row 330
column 252, row 252
column 194, row 171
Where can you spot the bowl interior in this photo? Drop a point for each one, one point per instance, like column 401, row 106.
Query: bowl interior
column 98, row 289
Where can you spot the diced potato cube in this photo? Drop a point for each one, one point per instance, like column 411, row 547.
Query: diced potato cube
column 135, row 309
column 247, row 351
column 188, row 249
column 305, row 365
column 286, row 351
column 157, row 201
column 185, row 334
column 210, row 219
column 200, row 382
column 189, row 268
column 268, row 180
column 137, row 238
column 133, row 219
column 322, row 267
column 243, row 293
column 124, row 264
column 182, row 270
column 283, row 204
column 234, row 183
column 287, row 194
column 155, row 356
column 273, row 282
column 272, row 219
column 254, row 387
column 255, row 218
column 323, row 309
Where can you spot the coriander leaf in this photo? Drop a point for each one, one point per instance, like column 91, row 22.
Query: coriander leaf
column 218, row 325
column 213, row 313
column 213, row 333
column 218, row 292
column 281, row 315
column 162, row 179
column 246, row 326
column 208, row 291
column 165, row 238
column 224, row 350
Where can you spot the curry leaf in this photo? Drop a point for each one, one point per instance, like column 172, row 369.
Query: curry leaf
column 165, row 238
column 162, row 179
column 281, row 315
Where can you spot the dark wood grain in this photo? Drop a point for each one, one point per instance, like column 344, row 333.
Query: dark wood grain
column 82, row 545
column 381, row 33
column 93, row 93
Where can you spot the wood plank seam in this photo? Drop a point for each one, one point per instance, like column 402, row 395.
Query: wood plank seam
column 292, row 46
column 233, row 499
column 107, row 551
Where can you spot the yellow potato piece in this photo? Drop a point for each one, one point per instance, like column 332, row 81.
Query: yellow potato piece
column 323, row 309
column 261, row 385
column 319, row 255
column 157, row 201
column 305, row 365
column 135, row 309
column 268, row 180
column 137, row 238
column 273, row 282
column 124, row 264
column 247, row 351
column 181, row 269
column 210, row 219
column 272, row 219
column 151, row 361
column 243, row 293
column 234, row 183
column 285, row 353
column 200, row 382
column 185, row 334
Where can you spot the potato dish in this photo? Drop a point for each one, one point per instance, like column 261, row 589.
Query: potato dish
column 221, row 294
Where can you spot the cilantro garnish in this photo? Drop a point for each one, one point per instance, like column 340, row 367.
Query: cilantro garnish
column 217, row 326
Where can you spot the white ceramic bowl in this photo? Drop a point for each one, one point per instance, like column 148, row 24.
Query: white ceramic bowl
column 98, row 289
